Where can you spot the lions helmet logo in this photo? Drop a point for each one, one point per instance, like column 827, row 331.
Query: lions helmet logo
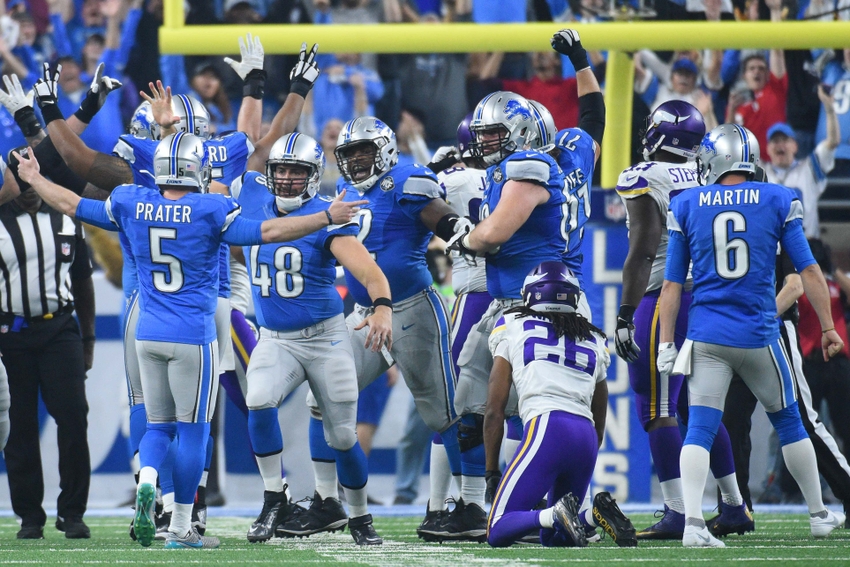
column 708, row 143
column 387, row 184
column 516, row 108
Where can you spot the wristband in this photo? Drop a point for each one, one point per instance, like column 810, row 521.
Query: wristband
column 51, row 112
column 827, row 330
column 579, row 60
column 330, row 218
column 27, row 121
column 255, row 84
column 89, row 339
column 382, row 302
column 627, row 313
column 300, row 87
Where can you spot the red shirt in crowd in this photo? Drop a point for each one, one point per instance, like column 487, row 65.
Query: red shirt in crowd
column 559, row 95
column 809, row 327
column 766, row 109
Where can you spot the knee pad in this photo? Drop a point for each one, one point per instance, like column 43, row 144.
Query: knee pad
column 341, row 439
column 702, row 427
column 470, row 432
column 788, row 425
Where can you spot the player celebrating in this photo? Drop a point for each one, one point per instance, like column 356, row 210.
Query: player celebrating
column 730, row 230
column 673, row 134
column 302, row 330
column 175, row 234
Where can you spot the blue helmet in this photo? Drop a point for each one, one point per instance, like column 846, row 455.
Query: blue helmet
column 551, row 287
column 142, row 124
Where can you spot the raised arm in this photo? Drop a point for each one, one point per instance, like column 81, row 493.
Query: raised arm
column 833, row 128
column 250, row 70
column 777, row 56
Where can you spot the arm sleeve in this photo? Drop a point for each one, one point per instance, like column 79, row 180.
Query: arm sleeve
column 61, row 41
column 243, row 232
column 96, row 213
column 678, row 258
column 591, row 109
column 794, row 242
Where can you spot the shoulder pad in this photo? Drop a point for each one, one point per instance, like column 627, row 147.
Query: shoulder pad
column 124, row 150
column 423, row 185
column 527, row 166
column 497, row 335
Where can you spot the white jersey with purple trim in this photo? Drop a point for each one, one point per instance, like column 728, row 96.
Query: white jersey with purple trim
column 550, row 373
column 464, row 191
column 661, row 181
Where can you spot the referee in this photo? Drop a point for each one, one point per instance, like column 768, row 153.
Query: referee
column 45, row 271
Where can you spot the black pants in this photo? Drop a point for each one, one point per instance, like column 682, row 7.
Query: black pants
column 740, row 404
column 47, row 357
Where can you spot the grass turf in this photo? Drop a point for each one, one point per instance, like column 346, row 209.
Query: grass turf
column 779, row 539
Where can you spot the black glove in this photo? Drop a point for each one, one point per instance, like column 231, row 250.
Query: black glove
column 304, row 74
column 96, row 96
column 45, row 94
column 493, row 478
column 567, row 42
column 624, row 336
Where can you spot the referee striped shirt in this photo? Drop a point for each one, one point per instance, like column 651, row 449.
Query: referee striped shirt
column 37, row 252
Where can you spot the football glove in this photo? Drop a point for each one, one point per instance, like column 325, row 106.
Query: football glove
column 95, row 98
column 624, row 336
column 667, row 353
column 304, row 74
column 14, row 98
column 567, row 42
column 460, row 240
column 493, row 478
column 46, row 90
column 251, row 54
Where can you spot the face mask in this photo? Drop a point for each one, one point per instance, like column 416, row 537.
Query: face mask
column 288, row 204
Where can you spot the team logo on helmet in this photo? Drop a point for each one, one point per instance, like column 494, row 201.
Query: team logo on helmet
column 515, row 108
column 708, row 143
column 387, row 183
column 497, row 175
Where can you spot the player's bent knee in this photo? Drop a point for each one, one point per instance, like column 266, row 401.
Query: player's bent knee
column 659, row 422
column 702, row 427
column 470, row 432
column 341, row 439
column 497, row 538
column 788, row 425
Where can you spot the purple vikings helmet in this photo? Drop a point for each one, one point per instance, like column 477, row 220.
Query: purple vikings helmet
column 464, row 136
column 551, row 287
column 676, row 127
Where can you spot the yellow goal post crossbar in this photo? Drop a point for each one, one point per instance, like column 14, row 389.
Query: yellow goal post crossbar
column 618, row 38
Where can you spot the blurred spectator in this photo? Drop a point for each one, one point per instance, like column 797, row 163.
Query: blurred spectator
column 278, row 66
column 499, row 11
column 330, row 134
column 143, row 66
column 242, row 12
column 764, row 105
column 411, row 143
column 657, row 82
column 344, row 90
column 803, row 107
column 836, row 77
column 206, row 83
column 806, row 176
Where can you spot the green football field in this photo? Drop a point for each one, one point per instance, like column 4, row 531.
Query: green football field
column 779, row 539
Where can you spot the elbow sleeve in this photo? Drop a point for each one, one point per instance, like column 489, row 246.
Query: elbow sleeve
column 591, row 109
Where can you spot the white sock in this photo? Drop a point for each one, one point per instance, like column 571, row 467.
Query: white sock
column 440, row 478
column 547, row 518
column 588, row 517
column 802, row 464
column 511, row 445
column 356, row 502
column 148, row 475
column 181, row 519
column 472, row 490
column 326, row 482
column 134, row 463
column 586, row 505
column 286, row 487
column 168, row 502
column 729, row 491
column 672, row 492
column 204, row 476
column 693, row 462
column 270, row 471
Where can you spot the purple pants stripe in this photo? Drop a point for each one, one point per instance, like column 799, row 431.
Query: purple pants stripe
column 557, row 455
column 466, row 312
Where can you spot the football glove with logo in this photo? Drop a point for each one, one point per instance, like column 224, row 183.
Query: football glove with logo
column 624, row 337
column 305, row 72
column 567, row 42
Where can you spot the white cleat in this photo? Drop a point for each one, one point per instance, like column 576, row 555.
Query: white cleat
column 700, row 537
column 822, row 527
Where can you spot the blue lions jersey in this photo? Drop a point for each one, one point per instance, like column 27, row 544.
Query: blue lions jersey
column 542, row 237
column 176, row 246
column 392, row 231
column 577, row 158
column 292, row 282
column 731, row 232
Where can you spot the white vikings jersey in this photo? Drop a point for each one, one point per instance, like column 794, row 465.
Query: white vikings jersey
column 464, row 191
column 240, row 286
column 661, row 181
column 550, row 373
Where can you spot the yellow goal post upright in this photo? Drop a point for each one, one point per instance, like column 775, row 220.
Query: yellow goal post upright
column 618, row 38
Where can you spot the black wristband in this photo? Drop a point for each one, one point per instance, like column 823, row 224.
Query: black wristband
column 300, row 87
column 88, row 108
column 382, row 302
column 51, row 112
column 255, row 84
column 330, row 218
column 579, row 60
column 27, row 121
column 89, row 339
column 443, row 164
column 627, row 313
column 445, row 228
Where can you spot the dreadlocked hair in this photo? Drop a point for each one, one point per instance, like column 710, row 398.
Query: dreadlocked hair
column 573, row 325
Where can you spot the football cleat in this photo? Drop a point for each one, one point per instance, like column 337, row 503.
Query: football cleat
column 613, row 522
column 275, row 507
column 671, row 526
column 144, row 524
column 466, row 522
column 731, row 520
column 326, row 515
column 700, row 537
column 822, row 527
column 433, row 527
column 567, row 523
column 192, row 540
column 363, row 531
column 199, row 518
column 162, row 522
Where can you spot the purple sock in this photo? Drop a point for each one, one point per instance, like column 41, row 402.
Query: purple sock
column 722, row 461
column 665, row 444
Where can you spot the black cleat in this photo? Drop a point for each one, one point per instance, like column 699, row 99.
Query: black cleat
column 162, row 521
column 31, row 532
column 467, row 522
column 74, row 527
column 325, row 515
column 613, row 522
column 567, row 524
column 199, row 518
column 275, row 507
column 433, row 527
column 363, row 531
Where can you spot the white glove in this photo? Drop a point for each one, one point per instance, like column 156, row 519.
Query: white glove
column 251, row 52
column 667, row 353
column 14, row 98
column 305, row 72
column 443, row 152
column 460, row 240
column 47, row 87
